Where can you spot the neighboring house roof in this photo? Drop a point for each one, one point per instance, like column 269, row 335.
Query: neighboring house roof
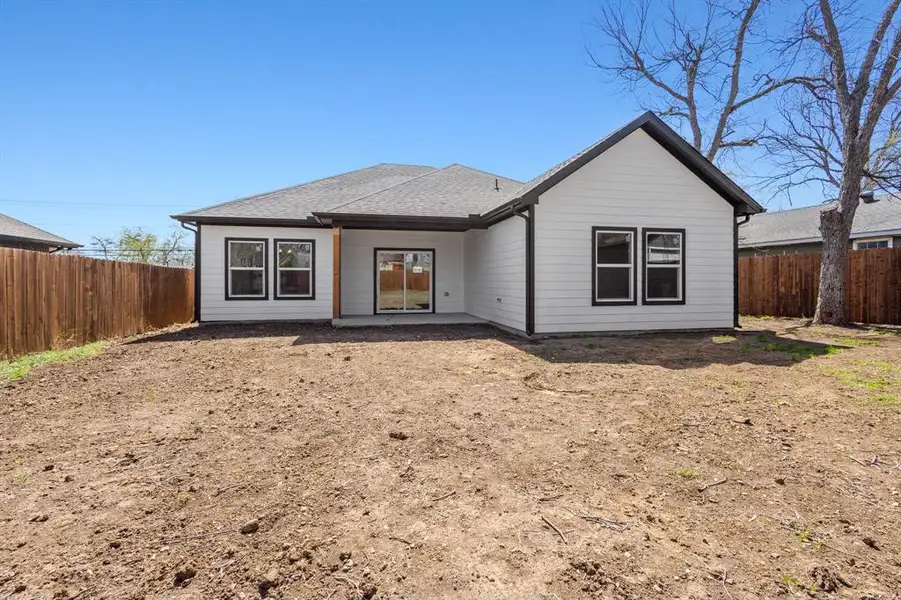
column 19, row 231
column 454, row 193
column 802, row 225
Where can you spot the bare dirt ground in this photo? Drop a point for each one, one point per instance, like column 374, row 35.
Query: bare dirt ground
column 303, row 462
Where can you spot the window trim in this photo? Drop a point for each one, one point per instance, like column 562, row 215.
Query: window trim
column 633, row 267
column 879, row 239
column 228, row 268
column 276, row 269
column 644, row 271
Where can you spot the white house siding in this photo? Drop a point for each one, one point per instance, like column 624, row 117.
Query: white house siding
column 636, row 183
column 358, row 266
column 214, row 306
column 496, row 273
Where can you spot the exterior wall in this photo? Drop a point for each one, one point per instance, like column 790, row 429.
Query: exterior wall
column 25, row 245
column 358, row 266
column 496, row 273
column 636, row 183
column 774, row 250
column 214, row 306
column 807, row 248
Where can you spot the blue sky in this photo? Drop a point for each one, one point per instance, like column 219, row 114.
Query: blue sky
column 118, row 114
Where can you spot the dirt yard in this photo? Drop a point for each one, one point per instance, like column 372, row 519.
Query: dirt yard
column 302, row 462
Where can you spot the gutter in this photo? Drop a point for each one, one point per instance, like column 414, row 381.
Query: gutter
column 185, row 225
column 529, row 218
column 735, row 227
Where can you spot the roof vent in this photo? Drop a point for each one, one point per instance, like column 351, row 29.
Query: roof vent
column 497, row 187
column 868, row 197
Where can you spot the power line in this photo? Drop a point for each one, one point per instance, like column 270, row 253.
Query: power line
column 86, row 204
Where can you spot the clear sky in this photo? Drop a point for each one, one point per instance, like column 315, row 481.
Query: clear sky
column 119, row 114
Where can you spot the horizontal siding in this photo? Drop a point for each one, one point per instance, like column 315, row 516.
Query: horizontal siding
column 358, row 266
column 214, row 306
column 496, row 273
column 636, row 183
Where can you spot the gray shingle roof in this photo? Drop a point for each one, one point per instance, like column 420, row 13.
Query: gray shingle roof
column 801, row 225
column 454, row 191
column 300, row 201
column 16, row 230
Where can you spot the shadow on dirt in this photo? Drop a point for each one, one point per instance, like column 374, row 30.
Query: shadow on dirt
column 668, row 350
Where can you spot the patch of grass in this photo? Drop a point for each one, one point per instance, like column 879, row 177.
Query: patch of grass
column 591, row 346
column 686, row 472
column 886, row 399
column 855, row 342
column 19, row 367
column 880, row 377
column 723, row 339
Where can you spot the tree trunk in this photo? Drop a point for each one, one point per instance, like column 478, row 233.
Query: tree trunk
column 835, row 225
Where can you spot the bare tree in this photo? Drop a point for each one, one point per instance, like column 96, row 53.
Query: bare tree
column 841, row 127
column 696, row 74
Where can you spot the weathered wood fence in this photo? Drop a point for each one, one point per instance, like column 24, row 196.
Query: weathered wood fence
column 786, row 285
column 59, row 300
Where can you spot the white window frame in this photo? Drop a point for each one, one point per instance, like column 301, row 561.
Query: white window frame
column 680, row 277
column 865, row 240
column 632, row 232
column 278, row 269
column 229, row 268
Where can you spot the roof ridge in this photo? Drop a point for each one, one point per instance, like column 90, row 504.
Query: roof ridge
column 396, row 185
column 291, row 187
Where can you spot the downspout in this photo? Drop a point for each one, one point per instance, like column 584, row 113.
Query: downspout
column 530, row 265
column 735, row 227
column 196, row 269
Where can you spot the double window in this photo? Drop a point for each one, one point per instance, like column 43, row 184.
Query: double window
column 247, row 267
column 614, row 266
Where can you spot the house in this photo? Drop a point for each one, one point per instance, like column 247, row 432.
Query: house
column 797, row 230
column 636, row 232
column 17, row 234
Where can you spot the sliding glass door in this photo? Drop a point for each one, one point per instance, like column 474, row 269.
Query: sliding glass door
column 404, row 281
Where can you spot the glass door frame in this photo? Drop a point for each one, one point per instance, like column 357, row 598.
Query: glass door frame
column 378, row 272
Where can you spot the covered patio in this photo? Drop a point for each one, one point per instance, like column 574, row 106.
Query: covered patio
column 389, row 320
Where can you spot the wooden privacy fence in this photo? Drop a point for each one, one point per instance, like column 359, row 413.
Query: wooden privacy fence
column 786, row 285
column 394, row 280
column 58, row 300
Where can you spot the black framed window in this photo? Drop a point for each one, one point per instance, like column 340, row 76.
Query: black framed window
column 664, row 266
column 613, row 265
column 295, row 265
column 245, row 262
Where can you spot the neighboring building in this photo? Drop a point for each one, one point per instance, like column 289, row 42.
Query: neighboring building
column 637, row 232
column 797, row 230
column 16, row 234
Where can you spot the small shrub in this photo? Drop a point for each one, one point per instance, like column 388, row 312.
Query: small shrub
column 686, row 472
